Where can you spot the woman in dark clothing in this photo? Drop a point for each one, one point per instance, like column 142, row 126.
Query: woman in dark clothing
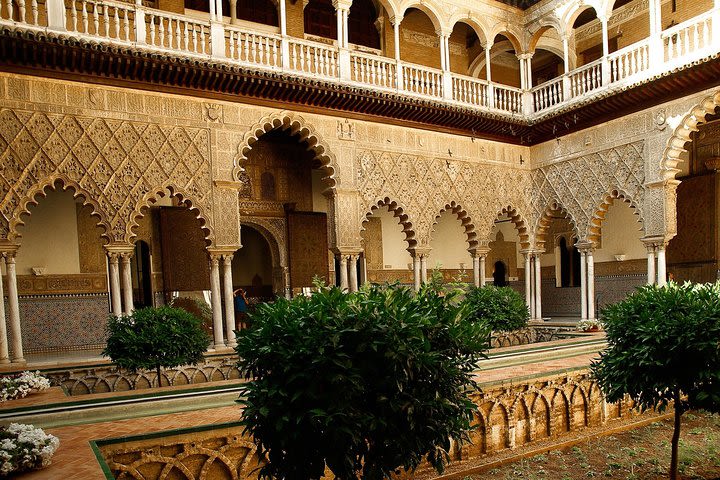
column 241, row 308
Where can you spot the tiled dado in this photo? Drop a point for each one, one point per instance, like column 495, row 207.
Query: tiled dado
column 56, row 323
column 71, row 284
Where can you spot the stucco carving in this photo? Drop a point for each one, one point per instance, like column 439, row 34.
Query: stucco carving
column 118, row 166
column 582, row 185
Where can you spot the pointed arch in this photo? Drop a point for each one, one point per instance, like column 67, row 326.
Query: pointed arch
column 399, row 212
column 543, row 222
column 55, row 182
column 296, row 126
column 595, row 225
column 465, row 220
column 152, row 196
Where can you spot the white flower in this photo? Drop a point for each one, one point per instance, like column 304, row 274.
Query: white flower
column 25, row 447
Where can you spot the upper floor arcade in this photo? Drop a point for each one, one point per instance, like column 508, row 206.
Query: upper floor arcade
column 481, row 67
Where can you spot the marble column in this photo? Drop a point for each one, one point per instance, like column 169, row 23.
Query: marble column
column 651, row 279
column 528, row 65
column 443, row 56
column 229, row 300
column 661, row 267
column 423, row 267
column 216, row 302
column 233, row 11
column 538, row 292
column 353, row 272
column 115, row 299
column 528, row 278
column 4, row 350
column 482, row 269
column 476, row 269
column 344, row 272
column 14, row 307
column 127, row 282
column 591, row 283
column 416, row 271
column 583, row 285
column 566, row 54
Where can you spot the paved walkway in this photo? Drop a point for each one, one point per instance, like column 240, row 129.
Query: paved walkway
column 76, row 460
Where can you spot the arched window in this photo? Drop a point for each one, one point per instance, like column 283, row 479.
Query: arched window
column 361, row 24
column 320, row 19
column 258, row 11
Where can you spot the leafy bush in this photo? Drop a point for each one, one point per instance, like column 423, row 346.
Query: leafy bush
column 25, row 447
column 367, row 382
column 663, row 346
column 196, row 307
column 501, row 308
column 154, row 338
column 19, row 386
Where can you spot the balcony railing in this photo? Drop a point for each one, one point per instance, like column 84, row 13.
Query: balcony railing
column 133, row 24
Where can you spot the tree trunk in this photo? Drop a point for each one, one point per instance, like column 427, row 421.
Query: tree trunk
column 676, row 437
column 158, row 375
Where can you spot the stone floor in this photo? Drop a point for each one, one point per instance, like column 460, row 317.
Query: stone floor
column 76, row 460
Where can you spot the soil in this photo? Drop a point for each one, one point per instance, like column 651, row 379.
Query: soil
column 639, row 454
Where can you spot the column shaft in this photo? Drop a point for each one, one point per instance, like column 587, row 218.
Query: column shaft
column 661, row 269
column 229, row 301
column 416, row 272
column 233, row 11
column 127, row 283
column 591, row 284
column 532, row 285
column 528, row 278
column 216, row 302
column 339, row 15
column 566, row 54
column 538, row 294
column 443, row 57
column 4, row 350
column 115, row 299
column 346, row 42
column 528, row 65
column 476, row 270
column 353, row 273
column 396, row 39
column 488, row 47
column 482, row 270
column 583, row 285
column 14, row 306
column 283, row 18
column 423, row 268
column 344, row 272
column 651, row 265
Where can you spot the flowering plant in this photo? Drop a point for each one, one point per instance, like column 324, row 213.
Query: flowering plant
column 20, row 386
column 588, row 325
column 25, row 447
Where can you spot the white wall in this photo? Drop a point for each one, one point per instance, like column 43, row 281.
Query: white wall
column 449, row 244
column 621, row 233
column 395, row 254
column 50, row 236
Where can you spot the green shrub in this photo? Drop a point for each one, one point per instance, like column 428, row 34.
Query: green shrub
column 501, row 308
column 663, row 346
column 156, row 337
column 368, row 382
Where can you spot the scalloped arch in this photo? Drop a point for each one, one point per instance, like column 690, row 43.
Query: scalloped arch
column 675, row 147
column 297, row 126
column 399, row 212
column 465, row 220
column 543, row 222
column 521, row 225
column 594, row 226
column 152, row 197
column 40, row 189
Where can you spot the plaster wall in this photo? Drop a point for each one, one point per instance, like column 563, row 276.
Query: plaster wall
column 621, row 235
column 449, row 244
column 395, row 254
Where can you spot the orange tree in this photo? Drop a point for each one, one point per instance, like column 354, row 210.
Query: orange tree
column 664, row 347
column 366, row 383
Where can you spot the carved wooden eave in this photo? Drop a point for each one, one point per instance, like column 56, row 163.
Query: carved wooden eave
column 70, row 58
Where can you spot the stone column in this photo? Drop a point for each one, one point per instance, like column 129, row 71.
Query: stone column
column 443, row 57
column 538, row 295
column 476, row 269
column 127, row 282
column 344, row 272
column 4, row 350
column 482, row 269
column 218, row 10
column 233, row 11
column 215, row 301
column 115, row 299
column 353, row 272
column 528, row 65
column 651, row 278
column 229, row 300
column 523, row 71
column 661, row 268
column 591, row 283
column 583, row 284
column 606, row 51
column 528, row 278
column 423, row 267
column 416, row 271
column 488, row 75
column 14, row 307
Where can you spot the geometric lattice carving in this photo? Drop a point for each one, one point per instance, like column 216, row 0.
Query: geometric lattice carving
column 424, row 187
column 117, row 165
column 582, row 186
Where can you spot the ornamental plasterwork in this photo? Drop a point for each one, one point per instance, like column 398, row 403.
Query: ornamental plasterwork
column 117, row 165
column 424, row 186
column 581, row 186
